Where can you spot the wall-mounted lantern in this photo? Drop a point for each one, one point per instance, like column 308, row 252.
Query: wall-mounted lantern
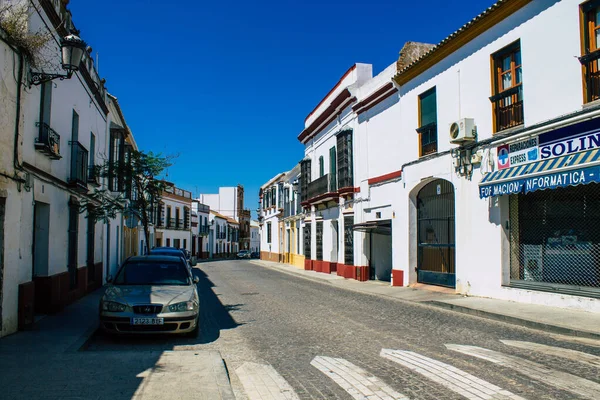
column 72, row 49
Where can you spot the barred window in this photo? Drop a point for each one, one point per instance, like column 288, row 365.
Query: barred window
column 555, row 239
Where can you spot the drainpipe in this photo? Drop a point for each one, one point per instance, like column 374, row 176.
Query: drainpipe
column 16, row 162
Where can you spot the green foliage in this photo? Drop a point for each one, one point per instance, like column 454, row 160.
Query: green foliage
column 14, row 21
column 135, row 179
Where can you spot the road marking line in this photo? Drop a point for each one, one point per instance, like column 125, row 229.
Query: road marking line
column 579, row 356
column 558, row 379
column 357, row 382
column 448, row 376
column 262, row 382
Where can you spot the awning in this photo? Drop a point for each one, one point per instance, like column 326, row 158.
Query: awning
column 383, row 227
column 569, row 170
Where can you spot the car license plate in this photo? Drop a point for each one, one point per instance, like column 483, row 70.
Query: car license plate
column 147, row 321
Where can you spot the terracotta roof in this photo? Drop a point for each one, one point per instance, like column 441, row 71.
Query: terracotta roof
column 216, row 214
column 485, row 20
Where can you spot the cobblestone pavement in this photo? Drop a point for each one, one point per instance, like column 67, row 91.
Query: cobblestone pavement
column 328, row 343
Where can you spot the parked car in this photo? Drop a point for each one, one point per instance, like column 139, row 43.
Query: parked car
column 243, row 254
column 254, row 254
column 151, row 294
column 172, row 251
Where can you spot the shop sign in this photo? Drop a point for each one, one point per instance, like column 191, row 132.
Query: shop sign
column 550, row 181
column 569, row 145
column 513, row 154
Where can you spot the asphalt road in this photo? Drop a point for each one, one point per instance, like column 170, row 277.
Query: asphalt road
column 327, row 343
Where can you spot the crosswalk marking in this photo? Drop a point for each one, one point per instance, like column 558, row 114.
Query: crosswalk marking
column 354, row 380
column 579, row 356
column 448, row 376
column 262, row 382
column 558, row 379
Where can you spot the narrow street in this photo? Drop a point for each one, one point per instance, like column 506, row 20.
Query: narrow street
column 328, row 343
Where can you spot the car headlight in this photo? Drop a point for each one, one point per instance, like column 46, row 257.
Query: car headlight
column 183, row 306
column 113, row 306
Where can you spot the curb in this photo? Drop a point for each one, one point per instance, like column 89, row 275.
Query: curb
column 515, row 320
column 540, row 326
column 83, row 342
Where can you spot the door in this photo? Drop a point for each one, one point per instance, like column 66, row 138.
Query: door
column 435, row 234
column 334, row 241
column 41, row 238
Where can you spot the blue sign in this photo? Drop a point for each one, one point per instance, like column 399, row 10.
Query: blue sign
column 549, row 181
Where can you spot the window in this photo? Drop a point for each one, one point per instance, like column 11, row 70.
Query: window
column 321, row 167
column 332, row 170
column 590, row 45
column 268, row 232
column 507, row 99
column 92, row 173
column 305, row 171
column 46, row 103
column 177, row 243
column 116, row 159
column 72, row 244
column 319, row 238
column 168, row 242
column 345, row 175
column 427, row 123
column 169, row 224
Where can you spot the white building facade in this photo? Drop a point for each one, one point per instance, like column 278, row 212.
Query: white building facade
column 467, row 168
column 498, row 168
column 173, row 226
column 254, row 236
column 51, row 254
column 269, row 212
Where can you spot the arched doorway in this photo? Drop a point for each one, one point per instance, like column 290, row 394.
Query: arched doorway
column 435, row 234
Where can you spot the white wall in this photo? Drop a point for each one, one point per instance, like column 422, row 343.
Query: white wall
column 543, row 28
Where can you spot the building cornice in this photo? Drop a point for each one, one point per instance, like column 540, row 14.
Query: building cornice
column 337, row 105
column 478, row 25
column 377, row 97
column 337, row 85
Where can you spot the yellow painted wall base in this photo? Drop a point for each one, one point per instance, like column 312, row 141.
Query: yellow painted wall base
column 297, row 260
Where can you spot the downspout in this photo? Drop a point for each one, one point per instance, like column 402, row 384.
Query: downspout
column 16, row 162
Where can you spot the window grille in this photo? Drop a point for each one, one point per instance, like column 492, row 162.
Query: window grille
column 555, row 240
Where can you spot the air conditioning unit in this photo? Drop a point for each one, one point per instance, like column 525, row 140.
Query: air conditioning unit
column 463, row 130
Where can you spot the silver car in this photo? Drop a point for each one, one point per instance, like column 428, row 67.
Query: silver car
column 151, row 294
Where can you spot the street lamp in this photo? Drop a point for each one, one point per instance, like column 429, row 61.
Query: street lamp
column 72, row 49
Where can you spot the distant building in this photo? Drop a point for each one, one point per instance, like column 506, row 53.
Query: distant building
column 173, row 221
column 254, row 236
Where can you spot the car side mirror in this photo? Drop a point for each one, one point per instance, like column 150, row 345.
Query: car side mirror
column 196, row 280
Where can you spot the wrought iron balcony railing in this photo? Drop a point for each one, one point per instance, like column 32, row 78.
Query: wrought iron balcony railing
column 171, row 223
column 94, row 175
column 508, row 108
column 322, row 185
column 591, row 64
column 48, row 141
column 79, row 166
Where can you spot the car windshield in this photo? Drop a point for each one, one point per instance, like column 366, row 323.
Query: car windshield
column 153, row 273
column 244, row 252
column 174, row 253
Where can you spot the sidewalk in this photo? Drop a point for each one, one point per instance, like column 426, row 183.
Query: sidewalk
column 549, row 319
column 50, row 362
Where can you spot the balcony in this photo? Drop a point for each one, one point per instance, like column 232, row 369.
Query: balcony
column 178, row 192
column 170, row 223
column 203, row 230
column 508, row 108
column 94, row 175
column 591, row 66
column 79, row 168
column 203, row 209
column 48, row 141
column 319, row 188
column 179, row 223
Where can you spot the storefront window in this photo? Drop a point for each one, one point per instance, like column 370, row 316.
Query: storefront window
column 555, row 239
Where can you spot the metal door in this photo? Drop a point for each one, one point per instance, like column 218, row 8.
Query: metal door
column 435, row 234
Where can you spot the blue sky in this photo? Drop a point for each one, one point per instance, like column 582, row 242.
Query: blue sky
column 227, row 84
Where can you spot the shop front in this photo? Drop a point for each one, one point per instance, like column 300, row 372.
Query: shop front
column 553, row 186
